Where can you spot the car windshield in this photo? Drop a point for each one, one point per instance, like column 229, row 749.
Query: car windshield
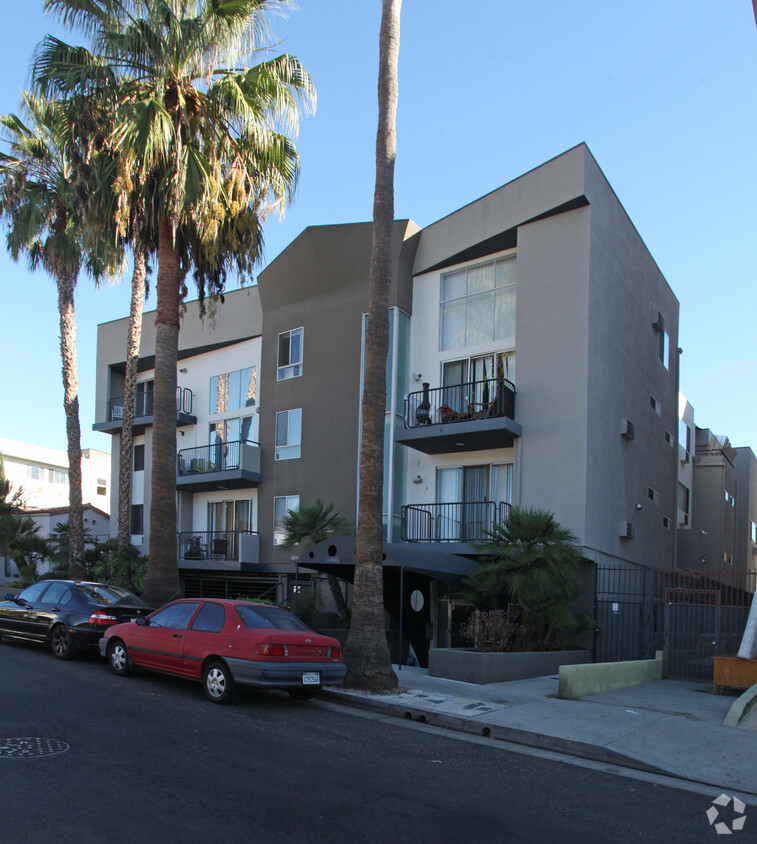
column 257, row 616
column 111, row 595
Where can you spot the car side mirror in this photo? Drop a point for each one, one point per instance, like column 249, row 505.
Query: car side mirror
column 141, row 621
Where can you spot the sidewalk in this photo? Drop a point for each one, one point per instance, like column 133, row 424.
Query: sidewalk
column 671, row 727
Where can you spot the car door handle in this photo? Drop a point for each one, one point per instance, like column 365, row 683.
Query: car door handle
column 177, row 636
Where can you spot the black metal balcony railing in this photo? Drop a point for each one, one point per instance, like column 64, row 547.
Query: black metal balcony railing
column 485, row 399
column 210, row 544
column 459, row 521
column 143, row 404
column 221, row 457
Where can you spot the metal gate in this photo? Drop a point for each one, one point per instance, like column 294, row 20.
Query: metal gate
column 690, row 616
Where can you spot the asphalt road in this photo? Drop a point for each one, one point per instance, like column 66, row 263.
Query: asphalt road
column 149, row 759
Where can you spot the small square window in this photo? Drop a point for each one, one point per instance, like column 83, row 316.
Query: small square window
column 288, row 434
column 653, row 495
column 282, row 504
column 290, row 354
column 102, row 486
column 655, row 405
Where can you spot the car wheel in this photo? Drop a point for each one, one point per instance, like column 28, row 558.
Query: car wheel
column 61, row 642
column 303, row 694
column 218, row 683
column 118, row 658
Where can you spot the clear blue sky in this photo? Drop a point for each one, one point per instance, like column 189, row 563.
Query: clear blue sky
column 664, row 94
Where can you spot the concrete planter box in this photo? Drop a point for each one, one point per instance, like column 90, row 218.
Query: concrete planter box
column 471, row 666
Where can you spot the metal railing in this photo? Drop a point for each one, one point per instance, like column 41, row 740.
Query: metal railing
column 458, row 521
column 210, row 544
column 491, row 397
column 143, row 404
column 221, row 457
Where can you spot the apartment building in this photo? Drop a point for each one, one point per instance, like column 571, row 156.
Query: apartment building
column 533, row 360
column 42, row 474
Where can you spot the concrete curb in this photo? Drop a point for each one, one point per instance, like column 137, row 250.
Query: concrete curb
column 741, row 708
column 487, row 729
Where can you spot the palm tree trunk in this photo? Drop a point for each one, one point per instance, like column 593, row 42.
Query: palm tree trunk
column 162, row 578
column 130, row 386
column 366, row 650
column 66, row 283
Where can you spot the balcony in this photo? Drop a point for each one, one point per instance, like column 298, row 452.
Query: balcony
column 222, row 550
column 459, row 521
column 143, row 412
column 464, row 417
column 231, row 465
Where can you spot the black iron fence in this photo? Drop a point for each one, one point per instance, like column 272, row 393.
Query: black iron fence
column 209, row 544
column 143, row 404
column 488, row 398
column 459, row 521
column 690, row 616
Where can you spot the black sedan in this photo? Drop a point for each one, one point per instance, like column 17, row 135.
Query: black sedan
column 67, row 615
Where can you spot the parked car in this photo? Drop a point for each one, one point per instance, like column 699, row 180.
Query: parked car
column 67, row 615
column 223, row 643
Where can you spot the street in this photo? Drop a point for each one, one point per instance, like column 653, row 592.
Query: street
column 149, row 759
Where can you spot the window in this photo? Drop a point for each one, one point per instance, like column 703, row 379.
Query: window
column 282, row 504
column 176, row 617
column 35, row 473
column 288, row 433
column 753, row 532
column 143, row 398
column 102, row 486
column 137, row 519
column 58, row 593
column 666, row 523
column 476, row 381
column 139, row 458
column 664, row 348
column 684, row 502
column 655, row 405
column 241, row 429
column 290, row 354
column 653, row 495
column 477, row 305
column 684, row 436
column 57, row 476
column 210, row 619
column 233, row 390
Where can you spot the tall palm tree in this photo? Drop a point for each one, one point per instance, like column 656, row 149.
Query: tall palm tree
column 310, row 524
column 366, row 650
column 43, row 199
column 201, row 127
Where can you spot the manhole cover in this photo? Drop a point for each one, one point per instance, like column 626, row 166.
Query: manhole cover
column 30, row 747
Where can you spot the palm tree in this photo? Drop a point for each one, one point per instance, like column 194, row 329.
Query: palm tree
column 308, row 525
column 203, row 135
column 44, row 180
column 534, row 563
column 366, row 650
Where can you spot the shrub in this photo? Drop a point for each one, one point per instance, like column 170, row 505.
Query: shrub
column 490, row 630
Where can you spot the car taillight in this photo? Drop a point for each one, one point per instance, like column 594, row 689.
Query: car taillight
column 102, row 619
column 334, row 652
column 267, row 649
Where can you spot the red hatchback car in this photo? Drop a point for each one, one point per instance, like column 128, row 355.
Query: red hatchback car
column 224, row 643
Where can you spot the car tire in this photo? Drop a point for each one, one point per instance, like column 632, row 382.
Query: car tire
column 62, row 643
column 118, row 658
column 303, row 694
column 217, row 682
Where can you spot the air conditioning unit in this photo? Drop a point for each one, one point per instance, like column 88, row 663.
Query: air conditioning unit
column 625, row 530
column 626, row 429
column 658, row 321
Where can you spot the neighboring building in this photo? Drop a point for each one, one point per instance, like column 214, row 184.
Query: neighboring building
column 42, row 473
column 723, row 535
column 533, row 361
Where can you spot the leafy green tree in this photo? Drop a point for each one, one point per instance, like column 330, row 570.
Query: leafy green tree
column 11, row 501
column 20, row 538
column 45, row 182
column 310, row 524
column 366, row 651
column 533, row 563
column 198, row 126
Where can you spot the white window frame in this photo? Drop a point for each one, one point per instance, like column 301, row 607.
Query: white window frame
column 290, row 368
column 290, row 447
column 291, row 502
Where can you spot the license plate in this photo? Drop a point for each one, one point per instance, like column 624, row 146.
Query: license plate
column 311, row 678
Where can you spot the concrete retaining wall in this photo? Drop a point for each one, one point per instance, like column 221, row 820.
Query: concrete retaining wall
column 471, row 666
column 579, row 680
